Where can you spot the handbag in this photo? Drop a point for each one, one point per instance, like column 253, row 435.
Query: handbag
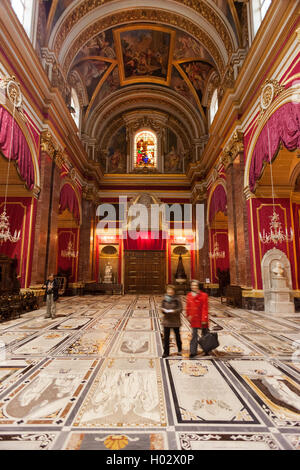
column 209, row 341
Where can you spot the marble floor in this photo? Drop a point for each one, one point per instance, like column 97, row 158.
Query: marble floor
column 94, row 378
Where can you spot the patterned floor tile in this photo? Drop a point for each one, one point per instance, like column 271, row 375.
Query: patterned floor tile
column 97, row 365
column 277, row 393
column 44, row 344
column 117, row 441
column 47, row 396
column 27, row 441
column 125, row 393
column 135, row 343
column 202, row 394
column 227, row 441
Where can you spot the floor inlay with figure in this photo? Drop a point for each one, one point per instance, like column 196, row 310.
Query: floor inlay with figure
column 94, row 378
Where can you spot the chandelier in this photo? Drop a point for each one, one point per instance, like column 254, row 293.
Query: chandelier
column 216, row 253
column 69, row 252
column 5, row 234
column 276, row 234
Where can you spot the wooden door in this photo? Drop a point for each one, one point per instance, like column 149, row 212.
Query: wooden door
column 145, row 272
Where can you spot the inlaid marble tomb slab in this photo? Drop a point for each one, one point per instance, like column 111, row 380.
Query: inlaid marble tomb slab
column 126, row 393
column 270, row 344
column 90, row 342
column 237, row 324
column 27, row 441
column 10, row 337
column 202, row 394
column 38, row 323
column 272, row 325
column 142, row 324
column 227, row 441
column 129, row 440
column 230, row 345
column 11, row 323
column 108, row 324
column 13, row 370
column 145, row 313
column 277, row 392
column 48, row 395
column 135, row 343
column 72, row 324
column 42, row 345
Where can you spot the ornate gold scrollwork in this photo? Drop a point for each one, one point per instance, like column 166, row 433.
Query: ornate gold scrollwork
column 234, row 147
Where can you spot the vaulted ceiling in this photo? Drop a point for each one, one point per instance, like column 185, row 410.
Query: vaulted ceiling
column 125, row 55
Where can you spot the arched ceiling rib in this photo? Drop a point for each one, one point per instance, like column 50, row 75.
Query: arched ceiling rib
column 140, row 97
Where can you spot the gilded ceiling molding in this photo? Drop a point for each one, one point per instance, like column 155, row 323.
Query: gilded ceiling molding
column 269, row 91
column 148, row 15
column 234, row 147
column 200, row 6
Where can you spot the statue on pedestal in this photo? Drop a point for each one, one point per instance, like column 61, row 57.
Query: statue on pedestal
column 278, row 271
column 108, row 274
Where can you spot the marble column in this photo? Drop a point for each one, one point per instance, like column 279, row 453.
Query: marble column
column 238, row 237
column 86, row 241
column 45, row 233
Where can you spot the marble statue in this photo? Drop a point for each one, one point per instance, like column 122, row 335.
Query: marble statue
column 108, row 274
column 278, row 271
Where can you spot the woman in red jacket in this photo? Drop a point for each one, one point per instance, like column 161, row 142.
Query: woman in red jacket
column 197, row 314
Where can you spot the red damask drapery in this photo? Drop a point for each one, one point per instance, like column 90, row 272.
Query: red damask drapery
column 145, row 241
column 218, row 202
column 20, row 151
column 283, row 126
column 68, row 200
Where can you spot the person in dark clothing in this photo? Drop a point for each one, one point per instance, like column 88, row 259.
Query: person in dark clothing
column 51, row 296
column 171, row 308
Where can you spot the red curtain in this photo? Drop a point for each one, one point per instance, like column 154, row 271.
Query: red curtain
column 283, row 126
column 20, row 151
column 68, row 200
column 218, row 202
column 145, row 241
column 67, row 264
column 18, row 210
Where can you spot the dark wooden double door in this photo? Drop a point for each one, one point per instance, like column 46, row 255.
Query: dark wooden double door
column 145, row 272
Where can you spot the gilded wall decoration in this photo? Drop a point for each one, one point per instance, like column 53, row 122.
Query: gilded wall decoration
column 205, row 10
column 141, row 15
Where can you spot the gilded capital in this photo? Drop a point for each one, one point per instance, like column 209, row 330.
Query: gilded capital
column 234, row 147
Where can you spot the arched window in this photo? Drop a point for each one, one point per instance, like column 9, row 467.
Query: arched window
column 24, row 10
column 75, row 107
column 213, row 106
column 259, row 9
column 145, row 150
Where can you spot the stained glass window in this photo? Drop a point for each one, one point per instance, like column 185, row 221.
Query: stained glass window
column 145, row 150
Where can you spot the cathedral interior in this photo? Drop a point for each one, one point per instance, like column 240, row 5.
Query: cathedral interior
column 147, row 143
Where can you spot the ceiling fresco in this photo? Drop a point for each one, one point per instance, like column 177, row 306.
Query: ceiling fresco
column 143, row 54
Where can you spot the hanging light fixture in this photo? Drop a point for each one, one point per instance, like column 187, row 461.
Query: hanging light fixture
column 69, row 252
column 216, row 253
column 276, row 234
column 14, row 95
